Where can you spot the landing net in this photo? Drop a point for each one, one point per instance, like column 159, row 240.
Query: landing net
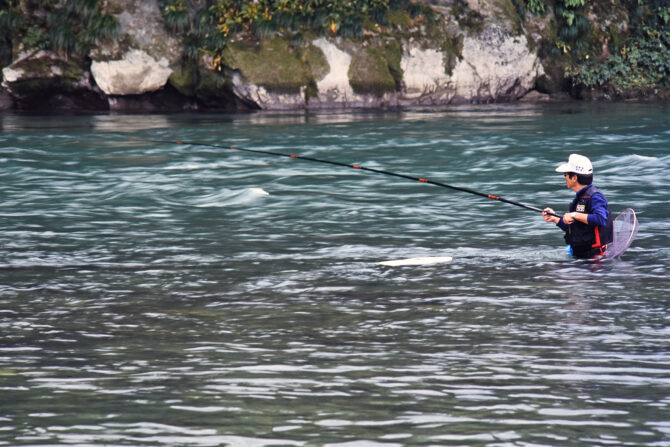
column 624, row 232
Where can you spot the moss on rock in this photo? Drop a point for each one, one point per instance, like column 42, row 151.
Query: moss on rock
column 391, row 50
column 506, row 13
column 452, row 47
column 375, row 67
column 210, row 86
column 42, row 72
column 468, row 19
column 318, row 66
column 316, row 61
column 399, row 18
column 273, row 64
column 185, row 79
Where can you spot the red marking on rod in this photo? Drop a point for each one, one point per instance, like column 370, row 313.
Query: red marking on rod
column 233, row 147
column 494, row 197
column 423, row 180
column 179, row 142
column 294, row 156
column 355, row 166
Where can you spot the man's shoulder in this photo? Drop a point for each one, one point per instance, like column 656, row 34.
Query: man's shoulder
column 598, row 196
column 592, row 190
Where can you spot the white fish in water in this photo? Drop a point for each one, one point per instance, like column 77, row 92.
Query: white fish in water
column 228, row 198
column 259, row 191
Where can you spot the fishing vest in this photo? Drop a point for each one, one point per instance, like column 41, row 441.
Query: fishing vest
column 587, row 241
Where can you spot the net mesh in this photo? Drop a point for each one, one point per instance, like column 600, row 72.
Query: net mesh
column 624, row 232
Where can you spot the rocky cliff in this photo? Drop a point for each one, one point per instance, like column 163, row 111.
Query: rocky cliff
column 474, row 52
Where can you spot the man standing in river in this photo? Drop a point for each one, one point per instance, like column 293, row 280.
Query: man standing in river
column 587, row 224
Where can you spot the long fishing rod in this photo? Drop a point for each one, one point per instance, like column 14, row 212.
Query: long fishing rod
column 363, row 168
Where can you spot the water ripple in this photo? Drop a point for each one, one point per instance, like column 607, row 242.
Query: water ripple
column 173, row 294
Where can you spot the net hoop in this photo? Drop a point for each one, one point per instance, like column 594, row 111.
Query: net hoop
column 623, row 234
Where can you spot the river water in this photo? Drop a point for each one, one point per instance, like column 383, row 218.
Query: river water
column 154, row 293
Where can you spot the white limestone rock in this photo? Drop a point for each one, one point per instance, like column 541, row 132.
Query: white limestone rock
column 47, row 69
column 425, row 78
column 136, row 73
column 10, row 74
column 266, row 100
column 495, row 66
column 141, row 59
column 334, row 90
column 19, row 71
column 334, row 87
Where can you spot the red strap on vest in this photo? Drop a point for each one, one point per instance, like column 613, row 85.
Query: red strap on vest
column 598, row 244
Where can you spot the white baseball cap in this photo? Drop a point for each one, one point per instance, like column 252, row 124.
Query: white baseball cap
column 578, row 164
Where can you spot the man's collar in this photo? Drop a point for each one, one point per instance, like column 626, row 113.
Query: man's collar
column 583, row 189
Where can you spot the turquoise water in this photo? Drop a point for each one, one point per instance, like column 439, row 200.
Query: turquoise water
column 154, row 293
